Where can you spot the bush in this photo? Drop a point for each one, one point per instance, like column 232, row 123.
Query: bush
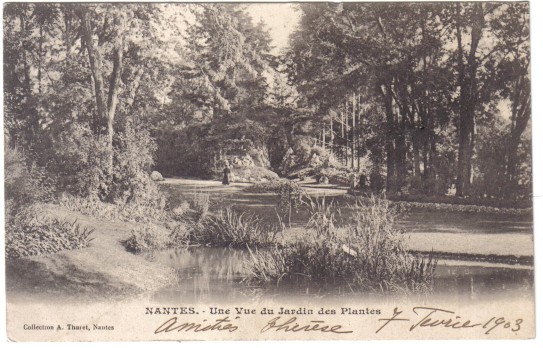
column 152, row 237
column 24, row 184
column 229, row 228
column 132, row 161
column 148, row 237
column 199, row 202
column 368, row 255
column 28, row 234
column 252, row 174
column 78, row 160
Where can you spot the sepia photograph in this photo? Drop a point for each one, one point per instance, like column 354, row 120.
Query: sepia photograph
column 268, row 171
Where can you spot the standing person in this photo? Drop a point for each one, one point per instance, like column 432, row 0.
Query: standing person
column 353, row 181
column 226, row 175
column 362, row 182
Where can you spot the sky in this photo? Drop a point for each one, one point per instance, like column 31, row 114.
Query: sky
column 280, row 18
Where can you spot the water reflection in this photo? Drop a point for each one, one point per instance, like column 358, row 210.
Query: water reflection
column 479, row 283
column 216, row 274
column 205, row 273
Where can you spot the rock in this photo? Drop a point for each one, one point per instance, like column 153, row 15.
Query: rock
column 259, row 157
column 323, row 180
column 243, row 161
column 156, row 176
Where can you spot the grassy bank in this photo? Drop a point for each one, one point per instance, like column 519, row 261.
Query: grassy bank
column 104, row 270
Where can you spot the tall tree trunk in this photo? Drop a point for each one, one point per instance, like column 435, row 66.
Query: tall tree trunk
column 67, row 33
column 400, row 152
column 331, row 135
column 323, row 138
column 95, row 62
column 343, row 137
column 519, row 120
column 358, row 135
column 468, row 93
column 134, row 87
column 105, row 108
column 115, row 78
column 416, row 153
column 346, row 133
column 40, row 61
column 389, row 141
column 28, row 108
column 353, row 138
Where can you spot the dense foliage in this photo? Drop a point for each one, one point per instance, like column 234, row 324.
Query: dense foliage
column 420, row 98
column 29, row 233
column 434, row 96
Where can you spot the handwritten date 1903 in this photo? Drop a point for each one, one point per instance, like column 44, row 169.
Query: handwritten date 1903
column 428, row 317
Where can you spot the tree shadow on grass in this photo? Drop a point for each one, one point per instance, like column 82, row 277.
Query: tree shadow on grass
column 58, row 279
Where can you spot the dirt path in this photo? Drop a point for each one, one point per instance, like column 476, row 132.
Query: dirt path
column 105, row 270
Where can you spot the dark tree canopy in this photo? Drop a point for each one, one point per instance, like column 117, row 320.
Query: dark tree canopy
column 433, row 98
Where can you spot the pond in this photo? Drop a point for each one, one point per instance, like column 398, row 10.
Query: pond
column 217, row 274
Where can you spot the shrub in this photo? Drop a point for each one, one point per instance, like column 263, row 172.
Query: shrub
column 368, row 255
column 78, row 159
column 185, row 151
column 252, row 174
column 28, row 234
column 152, row 237
column 24, row 184
column 199, row 202
column 229, row 228
column 147, row 237
column 132, row 161
column 81, row 162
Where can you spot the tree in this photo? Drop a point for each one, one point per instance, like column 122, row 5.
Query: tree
column 513, row 80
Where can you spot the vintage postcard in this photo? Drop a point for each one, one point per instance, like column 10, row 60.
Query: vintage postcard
column 268, row 171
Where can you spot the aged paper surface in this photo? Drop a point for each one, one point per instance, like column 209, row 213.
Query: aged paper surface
column 357, row 171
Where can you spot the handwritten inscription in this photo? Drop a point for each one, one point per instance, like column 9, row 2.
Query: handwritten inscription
column 418, row 318
column 429, row 317
column 277, row 324
column 291, row 325
column 224, row 324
